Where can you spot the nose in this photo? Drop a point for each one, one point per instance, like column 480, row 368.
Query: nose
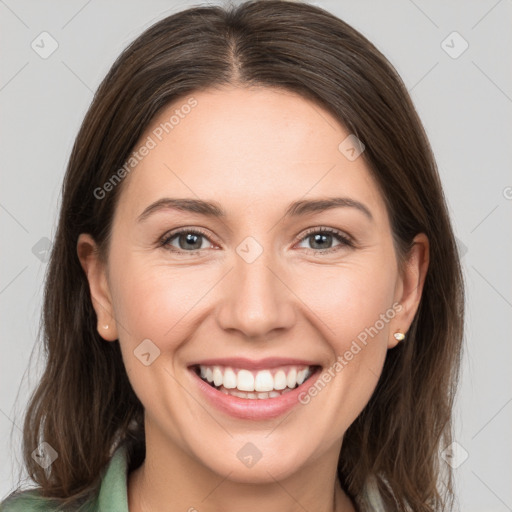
column 257, row 299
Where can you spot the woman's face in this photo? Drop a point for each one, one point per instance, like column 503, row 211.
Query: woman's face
column 240, row 287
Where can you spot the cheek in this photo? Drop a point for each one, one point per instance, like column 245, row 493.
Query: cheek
column 355, row 306
column 152, row 301
column 155, row 303
column 350, row 299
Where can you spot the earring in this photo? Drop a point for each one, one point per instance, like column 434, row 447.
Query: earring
column 105, row 326
column 399, row 336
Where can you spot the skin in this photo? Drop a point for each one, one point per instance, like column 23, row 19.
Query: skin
column 254, row 151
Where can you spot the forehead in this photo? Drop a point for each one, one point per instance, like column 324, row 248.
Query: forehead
column 262, row 147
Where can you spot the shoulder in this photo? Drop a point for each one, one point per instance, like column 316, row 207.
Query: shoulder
column 26, row 501
column 32, row 501
column 111, row 494
column 371, row 499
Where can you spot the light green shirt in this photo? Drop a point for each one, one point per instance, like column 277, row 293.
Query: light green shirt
column 112, row 496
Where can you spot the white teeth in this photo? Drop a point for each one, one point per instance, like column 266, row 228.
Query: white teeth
column 291, row 378
column 229, row 380
column 255, row 384
column 280, row 380
column 217, row 376
column 301, row 376
column 245, row 381
column 264, row 381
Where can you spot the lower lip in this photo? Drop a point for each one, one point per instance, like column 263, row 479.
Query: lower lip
column 253, row 409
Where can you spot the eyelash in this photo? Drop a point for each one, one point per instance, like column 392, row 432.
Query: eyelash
column 341, row 237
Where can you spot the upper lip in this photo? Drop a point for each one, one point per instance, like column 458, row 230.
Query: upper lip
column 252, row 364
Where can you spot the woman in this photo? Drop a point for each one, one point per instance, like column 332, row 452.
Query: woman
column 304, row 354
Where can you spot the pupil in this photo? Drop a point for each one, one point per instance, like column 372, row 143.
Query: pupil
column 320, row 237
column 191, row 239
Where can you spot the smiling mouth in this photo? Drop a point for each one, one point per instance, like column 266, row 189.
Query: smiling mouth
column 251, row 384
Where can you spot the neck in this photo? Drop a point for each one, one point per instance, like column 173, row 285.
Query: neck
column 169, row 478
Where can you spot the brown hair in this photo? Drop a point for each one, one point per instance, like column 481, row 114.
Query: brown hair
column 84, row 405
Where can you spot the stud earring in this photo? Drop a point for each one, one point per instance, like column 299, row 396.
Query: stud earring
column 399, row 336
column 105, row 326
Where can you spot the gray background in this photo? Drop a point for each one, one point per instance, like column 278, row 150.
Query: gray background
column 465, row 104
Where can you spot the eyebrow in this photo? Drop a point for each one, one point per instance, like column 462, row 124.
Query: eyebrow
column 214, row 209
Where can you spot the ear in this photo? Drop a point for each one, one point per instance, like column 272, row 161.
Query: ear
column 410, row 286
column 96, row 274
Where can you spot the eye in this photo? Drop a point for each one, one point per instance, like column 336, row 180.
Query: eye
column 322, row 237
column 189, row 241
